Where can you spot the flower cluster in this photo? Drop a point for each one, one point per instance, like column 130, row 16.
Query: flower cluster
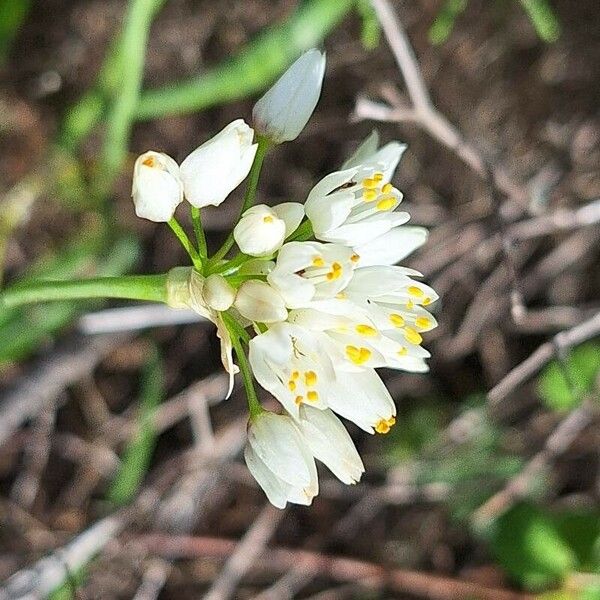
column 313, row 303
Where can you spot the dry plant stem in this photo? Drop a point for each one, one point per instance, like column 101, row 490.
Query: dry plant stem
column 250, row 547
column 542, row 356
column 422, row 585
column 154, row 579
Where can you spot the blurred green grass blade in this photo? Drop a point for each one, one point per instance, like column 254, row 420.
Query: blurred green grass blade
column 138, row 453
column 529, row 546
column 543, row 19
column 442, row 27
column 370, row 32
column 582, row 366
column 132, row 54
column 68, row 589
column 23, row 330
column 255, row 68
column 12, row 15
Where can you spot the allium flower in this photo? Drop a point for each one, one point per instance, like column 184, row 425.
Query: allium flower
column 262, row 230
column 284, row 110
column 218, row 166
column 259, row 302
column 157, row 189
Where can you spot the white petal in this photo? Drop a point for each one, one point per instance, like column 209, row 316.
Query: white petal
column 291, row 213
column 391, row 247
column 218, row 293
column 260, row 231
column 275, row 489
column 367, row 148
column 258, row 301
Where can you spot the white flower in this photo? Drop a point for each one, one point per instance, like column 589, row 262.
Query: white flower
column 157, row 189
column 292, row 364
column 357, row 205
column 308, row 271
column 280, row 461
column 262, row 230
column 218, row 293
column 391, row 247
column 259, row 302
column 284, row 110
column 218, row 166
column 330, row 443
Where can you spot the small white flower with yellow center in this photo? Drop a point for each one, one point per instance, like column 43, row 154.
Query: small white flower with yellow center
column 357, row 205
column 262, row 230
column 257, row 301
column 157, row 189
column 292, row 364
column 212, row 171
column 280, row 460
column 311, row 271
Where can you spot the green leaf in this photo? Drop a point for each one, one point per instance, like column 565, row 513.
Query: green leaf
column 138, row 453
column 370, row 33
column 442, row 27
column 543, row 19
column 530, row 547
column 582, row 367
column 581, row 530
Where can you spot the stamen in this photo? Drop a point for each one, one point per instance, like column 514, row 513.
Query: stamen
column 310, row 378
column 355, row 258
column 384, row 425
column 426, row 301
column 295, row 375
column 341, row 296
column 403, row 351
column 412, row 336
column 410, row 304
column 369, row 183
column 422, row 322
column 387, row 188
column 318, row 261
column 336, row 271
column 386, row 203
column 369, row 195
column 268, row 219
column 413, row 290
column 366, row 330
column 358, row 355
column 299, row 400
column 291, row 385
column 149, row 162
column 397, row 320
column 312, row 396
column 378, row 176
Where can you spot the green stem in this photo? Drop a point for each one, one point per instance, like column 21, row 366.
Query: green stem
column 185, row 242
column 231, row 265
column 135, row 287
column 303, row 233
column 261, row 151
column 199, row 232
column 254, row 405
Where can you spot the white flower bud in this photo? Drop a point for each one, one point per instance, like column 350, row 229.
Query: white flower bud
column 157, row 189
column 217, row 293
column 284, row 110
column 213, row 170
column 262, row 230
column 258, row 301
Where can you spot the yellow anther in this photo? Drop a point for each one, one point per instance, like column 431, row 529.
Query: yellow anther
column 413, row 290
column 358, row 355
column 387, row 188
column 410, row 304
column 295, row 375
column 355, row 258
column 336, row 266
column 336, row 271
column 312, row 396
column 291, row 385
column 148, row 162
column 403, row 351
column 366, row 330
column 318, row 261
column 310, row 378
column 369, row 195
column 397, row 320
column 412, row 336
column 268, row 219
column 423, row 322
column 384, row 425
column 299, row 400
column 378, row 176
column 386, row 203
column 369, row 183
column 341, row 296
column 426, row 301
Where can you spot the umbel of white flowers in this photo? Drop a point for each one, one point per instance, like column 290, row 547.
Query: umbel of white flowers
column 314, row 302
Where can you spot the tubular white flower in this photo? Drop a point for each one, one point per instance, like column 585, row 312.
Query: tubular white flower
column 262, row 229
column 292, row 364
column 157, row 189
column 280, row 461
column 218, row 166
column 330, row 443
column 218, row 293
column 309, row 271
column 259, row 302
column 284, row 110
column 391, row 247
column 357, row 205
